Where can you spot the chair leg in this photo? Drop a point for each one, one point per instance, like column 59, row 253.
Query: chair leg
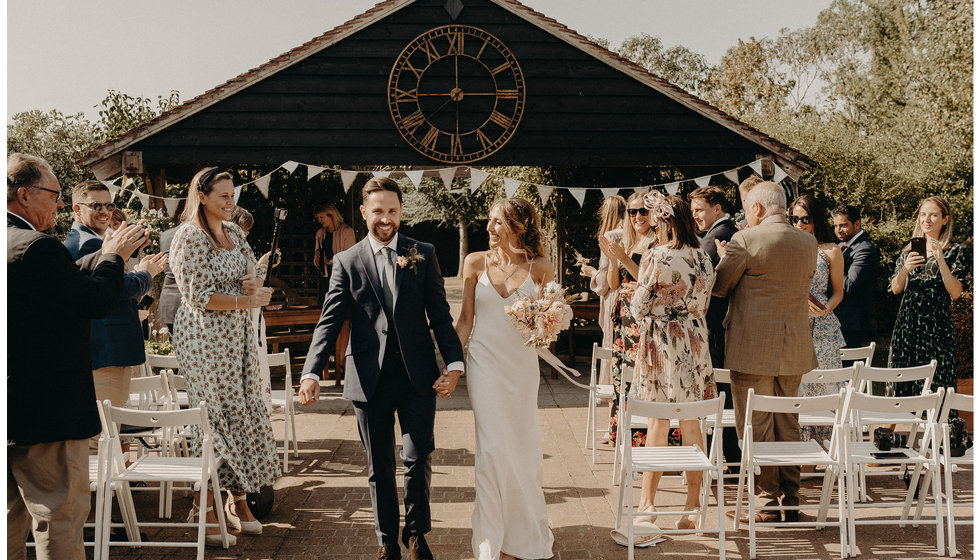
column 292, row 420
column 628, row 485
column 850, row 491
column 951, row 527
column 751, row 499
column 721, row 512
column 825, row 492
column 913, row 488
column 841, row 518
column 937, row 498
column 106, row 522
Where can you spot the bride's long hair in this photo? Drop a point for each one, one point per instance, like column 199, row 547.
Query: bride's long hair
column 521, row 221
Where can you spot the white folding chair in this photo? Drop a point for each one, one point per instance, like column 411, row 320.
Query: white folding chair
column 863, row 353
column 638, row 460
column 597, row 393
column 759, row 454
column 193, row 470
column 950, row 464
column 829, row 376
column 167, row 364
column 284, row 399
column 922, row 458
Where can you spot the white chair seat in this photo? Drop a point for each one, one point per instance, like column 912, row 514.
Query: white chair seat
column 789, row 453
column 861, row 452
column 151, row 468
column 672, row 457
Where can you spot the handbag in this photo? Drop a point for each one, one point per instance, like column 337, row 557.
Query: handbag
column 959, row 438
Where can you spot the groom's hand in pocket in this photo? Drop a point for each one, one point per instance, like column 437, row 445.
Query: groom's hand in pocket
column 309, row 391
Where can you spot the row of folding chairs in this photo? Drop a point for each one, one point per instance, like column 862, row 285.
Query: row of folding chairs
column 847, row 455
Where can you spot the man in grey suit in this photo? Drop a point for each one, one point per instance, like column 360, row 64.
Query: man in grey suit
column 391, row 289
column 860, row 270
column 766, row 269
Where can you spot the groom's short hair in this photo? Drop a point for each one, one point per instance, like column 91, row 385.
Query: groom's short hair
column 376, row 184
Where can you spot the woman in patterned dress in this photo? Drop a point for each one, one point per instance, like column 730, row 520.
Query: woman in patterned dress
column 213, row 341
column 624, row 258
column 928, row 284
column 809, row 214
column 670, row 303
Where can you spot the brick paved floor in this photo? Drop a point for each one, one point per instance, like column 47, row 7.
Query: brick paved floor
column 323, row 508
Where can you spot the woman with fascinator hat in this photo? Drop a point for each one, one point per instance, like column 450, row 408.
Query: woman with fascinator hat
column 670, row 302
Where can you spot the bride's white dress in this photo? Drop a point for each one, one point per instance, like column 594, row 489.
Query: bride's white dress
column 502, row 377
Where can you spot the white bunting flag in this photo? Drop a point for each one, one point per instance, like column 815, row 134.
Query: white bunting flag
column 263, row 184
column 113, row 189
column 672, row 187
column 757, row 167
column 382, row 173
column 732, row 175
column 477, row 177
column 703, row 181
column 171, row 205
column 238, row 193
column 144, row 199
column 544, row 191
column 290, row 166
column 347, row 178
column 511, row 186
column 578, row 195
column 609, row 191
column 313, row 171
column 132, row 198
column 641, row 189
column 415, row 176
column 447, row 175
column 126, row 182
column 778, row 175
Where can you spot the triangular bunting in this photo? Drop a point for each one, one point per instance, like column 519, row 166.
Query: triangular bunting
column 133, row 197
column 544, row 191
column 447, row 175
column 347, row 178
column 511, row 186
column 171, row 205
column 642, row 189
column 382, row 173
column 671, row 188
column 263, row 184
column 578, row 195
column 126, row 182
column 238, row 193
column 732, row 175
column 144, row 199
column 477, row 177
column 778, row 175
column 290, row 166
column 415, row 177
column 113, row 189
column 609, row 191
column 703, row 181
column 757, row 167
column 312, row 171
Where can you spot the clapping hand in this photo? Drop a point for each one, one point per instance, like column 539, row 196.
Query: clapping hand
column 152, row 264
column 126, row 240
column 614, row 251
column 934, row 248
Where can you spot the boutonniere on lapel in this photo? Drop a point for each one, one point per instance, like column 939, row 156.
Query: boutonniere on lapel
column 411, row 259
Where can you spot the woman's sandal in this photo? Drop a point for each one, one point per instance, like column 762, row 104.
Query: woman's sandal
column 210, row 540
column 236, row 523
column 640, row 518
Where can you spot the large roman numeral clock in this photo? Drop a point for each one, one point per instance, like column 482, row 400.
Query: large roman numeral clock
column 456, row 94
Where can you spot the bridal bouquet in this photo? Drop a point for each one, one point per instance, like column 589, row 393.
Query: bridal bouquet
column 539, row 320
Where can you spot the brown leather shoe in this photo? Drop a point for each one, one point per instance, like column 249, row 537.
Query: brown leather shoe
column 762, row 516
column 389, row 552
column 418, row 549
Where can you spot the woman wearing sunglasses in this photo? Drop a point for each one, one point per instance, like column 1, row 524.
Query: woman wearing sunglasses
column 624, row 264
column 808, row 214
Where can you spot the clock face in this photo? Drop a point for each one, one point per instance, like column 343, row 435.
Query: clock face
column 456, row 94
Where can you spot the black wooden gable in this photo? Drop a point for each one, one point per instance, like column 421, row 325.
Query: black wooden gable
column 326, row 103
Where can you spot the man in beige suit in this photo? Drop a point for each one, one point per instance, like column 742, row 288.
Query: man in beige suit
column 766, row 271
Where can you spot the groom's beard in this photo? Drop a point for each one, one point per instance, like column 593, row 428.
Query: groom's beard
column 384, row 236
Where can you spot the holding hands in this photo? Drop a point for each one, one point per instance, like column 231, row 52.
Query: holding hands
column 309, row 391
column 446, row 383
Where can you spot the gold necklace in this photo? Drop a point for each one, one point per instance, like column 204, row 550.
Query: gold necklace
column 508, row 277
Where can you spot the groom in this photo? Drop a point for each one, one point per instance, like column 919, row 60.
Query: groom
column 387, row 284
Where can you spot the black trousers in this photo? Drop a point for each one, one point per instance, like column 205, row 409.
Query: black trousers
column 376, row 426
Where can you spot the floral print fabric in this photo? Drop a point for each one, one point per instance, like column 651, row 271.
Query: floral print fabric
column 217, row 354
column 626, row 342
column 827, row 342
column 671, row 301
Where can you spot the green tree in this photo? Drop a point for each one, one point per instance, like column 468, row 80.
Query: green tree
column 678, row 65
column 119, row 112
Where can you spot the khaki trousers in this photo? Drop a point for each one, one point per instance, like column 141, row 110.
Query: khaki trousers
column 47, row 493
column 112, row 383
column 768, row 426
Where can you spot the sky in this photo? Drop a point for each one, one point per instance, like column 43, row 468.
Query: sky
column 66, row 54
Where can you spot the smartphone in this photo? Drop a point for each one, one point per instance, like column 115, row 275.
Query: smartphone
column 888, row 454
column 919, row 245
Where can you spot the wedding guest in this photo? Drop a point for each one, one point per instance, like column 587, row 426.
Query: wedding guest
column 928, row 284
column 670, row 303
column 51, row 300
column 117, row 218
column 767, row 269
column 333, row 237
column 860, row 271
column 624, row 258
column 808, row 214
column 213, row 340
column 611, row 214
column 708, row 206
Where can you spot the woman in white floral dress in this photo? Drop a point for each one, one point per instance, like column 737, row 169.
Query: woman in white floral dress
column 670, row 303
column 211, row 262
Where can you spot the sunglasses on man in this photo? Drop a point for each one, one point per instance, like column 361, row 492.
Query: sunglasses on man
column 98, row 206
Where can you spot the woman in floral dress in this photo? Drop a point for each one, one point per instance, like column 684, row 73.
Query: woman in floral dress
column 624, row 259
column 671, row 300
column 809, row 214
column 213, row 341
column 928, row 284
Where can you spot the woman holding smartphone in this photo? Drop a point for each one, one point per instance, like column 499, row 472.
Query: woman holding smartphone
column 928, row 284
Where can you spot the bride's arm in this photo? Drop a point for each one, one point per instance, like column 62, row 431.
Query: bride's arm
column 472, row 267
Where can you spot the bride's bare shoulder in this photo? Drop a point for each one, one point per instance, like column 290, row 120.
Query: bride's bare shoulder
column 542, row 270
column 474, row 262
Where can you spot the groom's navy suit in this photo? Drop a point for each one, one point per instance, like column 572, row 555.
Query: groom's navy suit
column 397, row 378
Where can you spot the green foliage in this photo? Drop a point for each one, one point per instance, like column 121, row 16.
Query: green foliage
column 119, row 112
column 963, row 325
column 678, row 65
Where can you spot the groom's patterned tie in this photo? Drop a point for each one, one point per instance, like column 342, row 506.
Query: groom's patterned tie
column 387, row 277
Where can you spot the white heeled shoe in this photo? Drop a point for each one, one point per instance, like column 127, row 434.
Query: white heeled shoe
column 210, row 540
column 236, row 523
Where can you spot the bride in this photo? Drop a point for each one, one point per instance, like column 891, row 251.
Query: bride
column 509, row 518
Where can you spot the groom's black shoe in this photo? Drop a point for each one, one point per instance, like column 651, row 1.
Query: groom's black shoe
column 389, row 552
column 418, row 549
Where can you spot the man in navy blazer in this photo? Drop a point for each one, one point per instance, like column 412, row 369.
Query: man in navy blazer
column 117, row 349
column 860, row 270
column 392, row 290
